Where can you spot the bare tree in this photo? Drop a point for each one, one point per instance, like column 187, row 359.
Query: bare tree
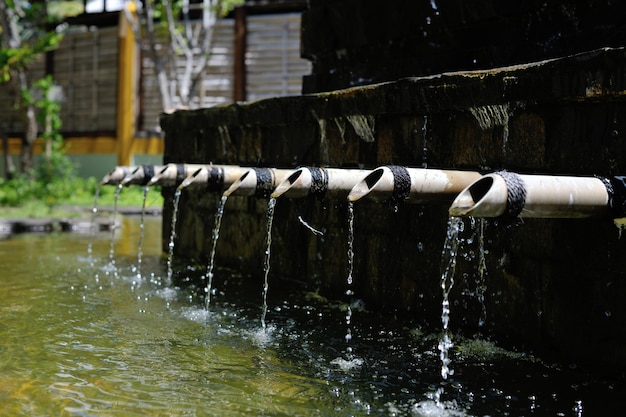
column 170, row 36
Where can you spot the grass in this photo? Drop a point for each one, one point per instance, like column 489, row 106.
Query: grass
column 71, row 198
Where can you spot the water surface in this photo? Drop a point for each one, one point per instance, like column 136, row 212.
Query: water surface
column 82, row 336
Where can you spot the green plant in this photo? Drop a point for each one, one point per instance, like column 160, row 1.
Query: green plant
column 23, row 196
column 45, row 98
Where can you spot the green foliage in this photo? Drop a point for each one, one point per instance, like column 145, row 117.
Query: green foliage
column 23, row 196
column 21, row 189
column 59, row 10
column 56, row 163
column 31, row 39
column 130, row 196
column 12, row 59
column 227, row 5
column 53, row 179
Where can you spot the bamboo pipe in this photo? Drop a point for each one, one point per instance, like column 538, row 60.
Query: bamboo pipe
column 116, row 175
column 413, row 185
column 540, row 196
column 214, row 177
column 319, row 182
column 259, row 182
column 141, row 175
column 173, row 174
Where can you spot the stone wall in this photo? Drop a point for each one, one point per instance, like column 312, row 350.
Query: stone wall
column 559, row 284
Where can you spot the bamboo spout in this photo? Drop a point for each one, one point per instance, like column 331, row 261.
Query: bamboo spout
column 116, row 175
column 213, row 177
column 259, row 182
column 413, row 185
column 172, row 174
column 141, row 175
column 540, row 196
column 332, row 182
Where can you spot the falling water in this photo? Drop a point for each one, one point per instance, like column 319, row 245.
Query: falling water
column 448, row 264
column 425, row 143
column 494, row 115
column 350, row 361
column 170, row 245
column 215, row 237
column 363, row 126
column 481, row 283
column 94, row 212
column 266, row 264
column 349, row 291
column 118, row 190
column 141, row 231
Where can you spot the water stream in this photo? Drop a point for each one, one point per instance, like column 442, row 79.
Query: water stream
column 271, row 204
column 448, row 267
column 425, row 143
column 481, row 277
column 112, row 265
column 349, row 361
column 74, row 346
column 146, row 189
column 94, row 213
column 349, row 291
column 171, row 244
column 214, row 238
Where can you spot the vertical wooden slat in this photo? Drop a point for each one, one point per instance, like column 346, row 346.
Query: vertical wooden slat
column 239, row 82
column 285, row 59
column 273, row 64
column 141, row 92
column 96, row 78
column 126, row 90
column 86, row 65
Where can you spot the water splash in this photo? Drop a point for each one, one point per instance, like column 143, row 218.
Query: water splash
column 435, row 406
column 578, row 408
column 448, row 263
column 347, row 365
column 170, row 246
column 214, row 238
column 141, row 231
column 266, row 264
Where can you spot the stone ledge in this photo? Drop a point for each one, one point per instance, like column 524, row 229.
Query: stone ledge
column 80, row 224
column 550, row 281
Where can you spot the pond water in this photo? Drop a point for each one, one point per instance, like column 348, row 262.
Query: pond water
column 80, row 336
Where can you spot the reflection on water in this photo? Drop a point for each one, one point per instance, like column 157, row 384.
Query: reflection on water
column 80, row 339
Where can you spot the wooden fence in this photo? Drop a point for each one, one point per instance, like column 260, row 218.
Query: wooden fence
column 86, row 67
column 272, row 60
